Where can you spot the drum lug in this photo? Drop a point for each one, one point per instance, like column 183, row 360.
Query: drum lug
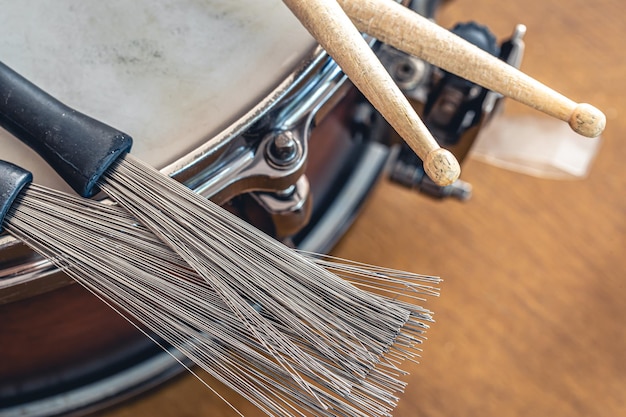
column 289, row 209
column 275, row 163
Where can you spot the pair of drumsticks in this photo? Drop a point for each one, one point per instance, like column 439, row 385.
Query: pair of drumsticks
column 337, row 27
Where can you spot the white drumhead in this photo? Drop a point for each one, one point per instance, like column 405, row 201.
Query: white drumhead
column 171, row 73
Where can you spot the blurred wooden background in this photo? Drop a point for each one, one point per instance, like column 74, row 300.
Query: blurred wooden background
column 531, row 316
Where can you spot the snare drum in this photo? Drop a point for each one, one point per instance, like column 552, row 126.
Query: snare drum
column 234, row 99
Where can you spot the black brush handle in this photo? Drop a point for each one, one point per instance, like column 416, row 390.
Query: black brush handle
column 12, row 180
column 78, row 147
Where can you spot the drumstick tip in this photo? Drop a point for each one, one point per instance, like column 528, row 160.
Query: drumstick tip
column 587, row 120
column 442, row 167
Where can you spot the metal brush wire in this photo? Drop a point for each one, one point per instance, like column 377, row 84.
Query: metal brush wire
column 104, row 248
column 304, row 306
column 346, row 325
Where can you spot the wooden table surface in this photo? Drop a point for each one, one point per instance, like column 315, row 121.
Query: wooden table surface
column 531, row 316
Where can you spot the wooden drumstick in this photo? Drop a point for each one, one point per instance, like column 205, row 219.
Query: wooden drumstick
column 407, row 31
column 334, row 31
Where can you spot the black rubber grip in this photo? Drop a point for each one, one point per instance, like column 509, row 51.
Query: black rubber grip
column 78, row 147
column 12, row 180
